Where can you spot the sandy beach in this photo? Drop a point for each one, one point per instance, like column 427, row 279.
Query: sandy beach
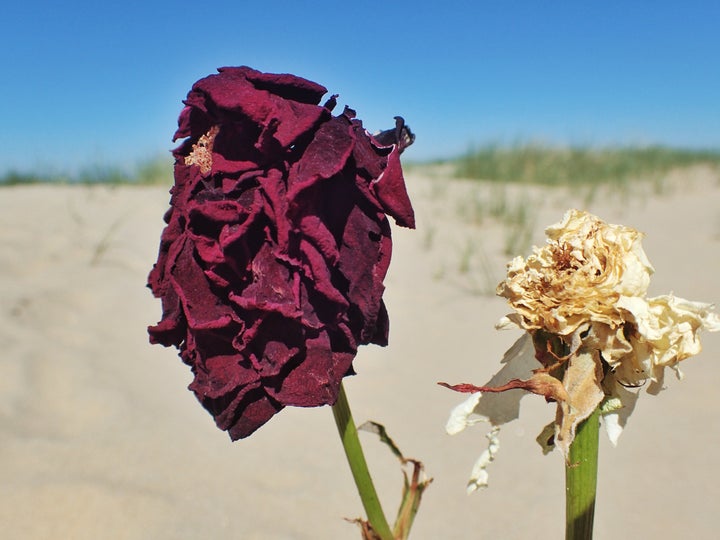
column 100, row 438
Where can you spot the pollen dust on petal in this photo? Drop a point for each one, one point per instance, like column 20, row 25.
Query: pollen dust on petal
column 201, row 154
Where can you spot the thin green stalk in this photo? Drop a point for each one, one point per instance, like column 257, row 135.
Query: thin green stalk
column 581, row 480
column 358, row 466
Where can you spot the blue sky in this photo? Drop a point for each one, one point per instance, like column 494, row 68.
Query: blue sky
column 88, row 83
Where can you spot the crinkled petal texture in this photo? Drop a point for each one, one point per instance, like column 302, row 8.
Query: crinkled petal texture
column 578, row 276
column 271, row 267
column 662, row 331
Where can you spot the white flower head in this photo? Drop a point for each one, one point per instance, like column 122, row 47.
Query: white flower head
column 578, row 276
column 593, row 333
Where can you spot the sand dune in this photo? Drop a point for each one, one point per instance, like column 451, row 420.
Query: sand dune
column 100, row 439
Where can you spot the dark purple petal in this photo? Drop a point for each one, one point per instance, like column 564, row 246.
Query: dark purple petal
column 290, row 87
column 392, row 194
column 253, row 413
column 282, row 297
column 271, row 267
column 324, row 157
column 221, row 376
column 314, row 382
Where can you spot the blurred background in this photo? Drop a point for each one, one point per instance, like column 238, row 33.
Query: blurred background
column 92, row 91
column 521, row 109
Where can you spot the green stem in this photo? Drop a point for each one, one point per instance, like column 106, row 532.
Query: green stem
column 358, row 466
column 581, row 480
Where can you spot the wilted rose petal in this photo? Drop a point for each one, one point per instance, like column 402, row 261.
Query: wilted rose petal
column 478, row 474
column 271, row 266
column 578, row 276
column 666, row 332
column 582, row 381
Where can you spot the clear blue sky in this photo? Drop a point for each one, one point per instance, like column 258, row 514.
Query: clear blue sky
column 102, row 82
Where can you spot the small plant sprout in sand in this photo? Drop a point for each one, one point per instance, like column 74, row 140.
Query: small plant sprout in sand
column 592, row 339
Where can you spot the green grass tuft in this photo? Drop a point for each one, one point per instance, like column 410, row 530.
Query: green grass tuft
column 575, row 166
column 156, row 171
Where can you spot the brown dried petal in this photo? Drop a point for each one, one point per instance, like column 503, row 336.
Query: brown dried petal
column 582, row 381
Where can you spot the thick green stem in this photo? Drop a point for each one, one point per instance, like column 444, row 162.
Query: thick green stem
column 581, row 480
column 358, row 466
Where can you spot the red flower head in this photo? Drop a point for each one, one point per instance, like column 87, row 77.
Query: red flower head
column 272, row 262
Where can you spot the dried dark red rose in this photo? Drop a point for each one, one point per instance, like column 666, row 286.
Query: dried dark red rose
column 272, row 263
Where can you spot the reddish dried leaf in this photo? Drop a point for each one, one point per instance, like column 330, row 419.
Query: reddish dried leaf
column 540, row 383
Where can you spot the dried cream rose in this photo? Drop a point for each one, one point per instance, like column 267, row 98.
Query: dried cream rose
column 592, row 334
column 577, row 277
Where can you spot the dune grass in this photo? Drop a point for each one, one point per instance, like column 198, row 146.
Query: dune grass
column 573, row 166
column 506, row 186
column 155, row 171
column 529, row 163
column 583, row 170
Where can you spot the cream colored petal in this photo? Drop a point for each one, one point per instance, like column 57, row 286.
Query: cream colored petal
column 508, row 322
column 577, row 276
column 657, row 382
column 610, row 341
column 647, row 320
column 668, row 327
column 613, row 427
column 479, row 474
column 460, row 416
column 637, row 271
column 617, row 407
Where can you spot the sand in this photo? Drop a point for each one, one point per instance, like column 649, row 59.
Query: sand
column 100, row 439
